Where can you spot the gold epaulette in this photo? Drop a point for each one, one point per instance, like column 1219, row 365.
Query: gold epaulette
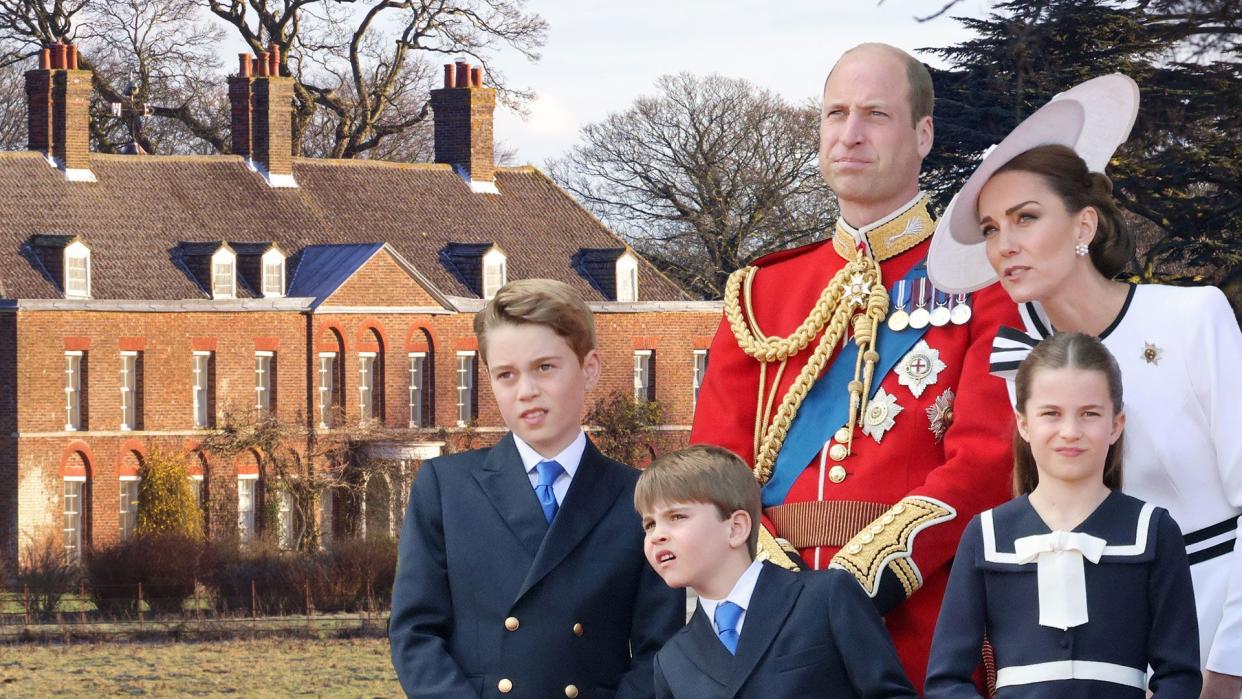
column 888, row 543
column 776, row 550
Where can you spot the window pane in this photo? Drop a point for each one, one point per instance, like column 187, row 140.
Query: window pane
column 245, row 509
column 262, row 382
column 326, row 367
column 202, row 379
column 416, row 391
column 465, row 388
column 73, row 521
column 222, row 279
column 76, row 276
column 73, row 392
column 273, row 278
column 129, row 382
column 365, row 377
column 129, row 508
column 284, row 519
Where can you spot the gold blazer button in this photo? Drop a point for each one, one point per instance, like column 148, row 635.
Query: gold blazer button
column 512, row 623
column 505, row 685
column 571, row 691
column 578, row 630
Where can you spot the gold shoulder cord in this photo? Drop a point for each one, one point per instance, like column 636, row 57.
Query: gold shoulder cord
column 856, row 295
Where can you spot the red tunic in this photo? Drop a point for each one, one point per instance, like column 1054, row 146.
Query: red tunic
column 967, row 470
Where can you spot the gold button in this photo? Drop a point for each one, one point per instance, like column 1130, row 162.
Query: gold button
column 855, row 548
column 512, row 623
column 836, row 474
column 578, row 630
column 899, row 508
column 505, row 685
column 842, row 435
column 571, row 691
column 838, row 452
column 887, row 519
column 877, row 528
column 867, row 537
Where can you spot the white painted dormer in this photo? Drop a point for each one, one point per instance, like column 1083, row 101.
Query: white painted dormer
column 627, row 277
column 494, row 273
column 273, row 273
column 77, row 270
column 224, row 273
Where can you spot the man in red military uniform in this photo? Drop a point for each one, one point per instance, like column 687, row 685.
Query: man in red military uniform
column 861, row 395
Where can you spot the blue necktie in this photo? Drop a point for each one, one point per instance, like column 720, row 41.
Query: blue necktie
column 548, row 472
column 727, row 614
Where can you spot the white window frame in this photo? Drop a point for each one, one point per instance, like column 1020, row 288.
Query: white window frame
column 466, row 371
column 324, row 387
column 248, row 484
column 418, row 380
column 263, row 361
column 326, row 507
column 495, row 272
column 129, row 390
column 366, row 385
column 273, row 283
column 74, row 517
column 627, row 278
column 224, row 274
column 73, row 390
column 200, row 400
column 284, row 519
column 643, row 360
column 74, row 252
column 196, row 486
column 128, row 516
column 698, row 373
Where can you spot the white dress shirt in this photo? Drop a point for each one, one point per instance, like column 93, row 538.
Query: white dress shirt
column 739, row 595
column 569, row 459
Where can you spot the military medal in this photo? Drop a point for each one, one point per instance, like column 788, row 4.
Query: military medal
column 940, row 414
column 899, row 320
column 960, row 314
column 940, row 308
column 920, row 316
column 879, row 416
column 920, row 368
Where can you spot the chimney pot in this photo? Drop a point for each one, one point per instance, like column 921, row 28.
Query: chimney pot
column 243, row 65
column 449, row 75
column 73, row 57
column 463, row 74
column 264, row 63
column 273, row 68
column 476, row 77
column 45, row 59
column 59, row 56
column 463, row 122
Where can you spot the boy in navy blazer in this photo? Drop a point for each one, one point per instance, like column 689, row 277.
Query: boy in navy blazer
column 759, row 630
column 520, row 569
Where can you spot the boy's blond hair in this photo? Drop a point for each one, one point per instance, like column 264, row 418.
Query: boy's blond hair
column 706, row 474
column 544, row 302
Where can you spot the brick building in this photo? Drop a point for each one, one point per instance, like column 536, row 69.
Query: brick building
column 142, row 297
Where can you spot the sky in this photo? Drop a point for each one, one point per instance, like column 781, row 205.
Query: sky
column 600, row 56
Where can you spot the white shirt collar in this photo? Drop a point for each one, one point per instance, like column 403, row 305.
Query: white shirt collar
column 740, row 595
column 569, row 458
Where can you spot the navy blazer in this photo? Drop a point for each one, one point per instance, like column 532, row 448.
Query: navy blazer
column 488, row 596
column 809, row 634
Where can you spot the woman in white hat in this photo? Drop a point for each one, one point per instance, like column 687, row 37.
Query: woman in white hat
column 1038, row 215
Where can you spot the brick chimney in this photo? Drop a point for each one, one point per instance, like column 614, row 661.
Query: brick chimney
column 58, row 99
column 261, row 109
column 463, row 124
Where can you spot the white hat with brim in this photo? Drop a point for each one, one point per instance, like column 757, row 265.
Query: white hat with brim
column 1093, row 118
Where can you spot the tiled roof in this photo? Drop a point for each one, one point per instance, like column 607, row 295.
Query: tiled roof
column 143, row 208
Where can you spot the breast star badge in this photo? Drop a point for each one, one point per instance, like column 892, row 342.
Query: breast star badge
column 878, row 419
column 1151, row 353
column 920, row 368
column 940, row 414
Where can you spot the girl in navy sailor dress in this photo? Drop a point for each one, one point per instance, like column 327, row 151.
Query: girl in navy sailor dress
column 1079, row 588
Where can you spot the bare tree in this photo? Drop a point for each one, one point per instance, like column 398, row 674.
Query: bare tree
column 12, row 121
column 704, row 177
column 362, row 70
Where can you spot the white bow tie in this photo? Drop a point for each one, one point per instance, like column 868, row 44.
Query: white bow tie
column 1062, row 585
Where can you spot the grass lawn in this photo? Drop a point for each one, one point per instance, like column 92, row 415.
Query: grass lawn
column 281, row 667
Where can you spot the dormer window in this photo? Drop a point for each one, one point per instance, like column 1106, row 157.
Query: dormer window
column 627, row 277
column 77, row 281
column 273, row 273
column 494, row 274
column 224, row 274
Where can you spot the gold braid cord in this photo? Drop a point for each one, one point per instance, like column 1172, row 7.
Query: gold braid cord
column 855, row 294
column 888, row 543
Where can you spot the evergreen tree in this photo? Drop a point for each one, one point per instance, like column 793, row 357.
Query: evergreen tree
column 1180, row 173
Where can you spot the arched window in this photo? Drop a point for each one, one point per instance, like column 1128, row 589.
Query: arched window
column 76, row 527
column 494, row 273
column 627, row 277
column 77, row 282
column 224, row 274
column 273, row 273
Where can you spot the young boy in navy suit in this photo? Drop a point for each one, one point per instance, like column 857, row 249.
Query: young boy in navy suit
column 759, row 630
column 520, row 569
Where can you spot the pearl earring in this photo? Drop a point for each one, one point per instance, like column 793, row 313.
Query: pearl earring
column 1081, row 249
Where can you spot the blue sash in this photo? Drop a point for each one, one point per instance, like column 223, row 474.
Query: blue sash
column 827, row 405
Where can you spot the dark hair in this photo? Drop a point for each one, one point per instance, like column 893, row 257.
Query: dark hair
column 702, row 473
column 1068, row 176
column 1061, row 351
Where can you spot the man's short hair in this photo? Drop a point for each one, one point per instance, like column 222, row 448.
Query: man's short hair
column 702, row 473
column 544, row 302
column 918, row 79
